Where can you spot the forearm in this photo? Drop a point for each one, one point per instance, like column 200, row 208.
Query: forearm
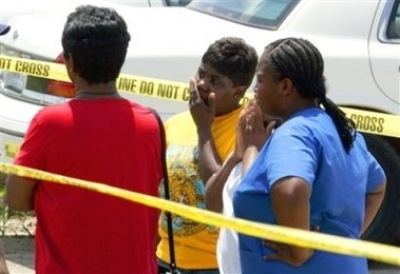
column 249, row 157
column 373, row 202
column 209, row 161
column 215, row 185
column 291, row 206
column 20, row 193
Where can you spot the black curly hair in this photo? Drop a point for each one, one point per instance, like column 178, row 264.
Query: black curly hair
column 97, row 39
column 234, row 58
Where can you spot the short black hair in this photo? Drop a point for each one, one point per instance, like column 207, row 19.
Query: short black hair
column 234, row 58
column 97, row 39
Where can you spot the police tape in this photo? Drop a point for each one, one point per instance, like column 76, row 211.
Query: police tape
column 374, row 122
column 292, row 236
column 366, row 121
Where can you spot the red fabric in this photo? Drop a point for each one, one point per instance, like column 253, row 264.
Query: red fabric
column 111, row 141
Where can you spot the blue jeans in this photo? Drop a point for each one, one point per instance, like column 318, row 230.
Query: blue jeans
column 163, row 267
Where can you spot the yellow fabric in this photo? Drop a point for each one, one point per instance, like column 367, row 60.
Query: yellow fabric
column 195, row 243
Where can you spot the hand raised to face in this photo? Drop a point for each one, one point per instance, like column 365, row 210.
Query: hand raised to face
column 252, row 128
column 202, row 110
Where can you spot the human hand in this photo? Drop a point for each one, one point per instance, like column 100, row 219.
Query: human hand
column 202, row 110
column 253, row 129
column 292, row 255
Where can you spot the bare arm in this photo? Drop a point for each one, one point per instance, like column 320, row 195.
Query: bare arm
column 209, row 161
column 250, row 155
column 203, row 115
column 290, row 201
column 216, row 183
column 373, row 201
column 20, row 193
column 251, row 134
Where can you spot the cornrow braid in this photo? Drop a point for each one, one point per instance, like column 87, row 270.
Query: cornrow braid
column 299, row 60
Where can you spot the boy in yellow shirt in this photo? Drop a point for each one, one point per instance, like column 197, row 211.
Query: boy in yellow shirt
column 198, row 142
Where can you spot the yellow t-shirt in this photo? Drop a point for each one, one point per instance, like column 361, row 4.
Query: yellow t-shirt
column 195, row 243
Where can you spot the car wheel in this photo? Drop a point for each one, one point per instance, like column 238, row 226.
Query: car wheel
column 386, row 226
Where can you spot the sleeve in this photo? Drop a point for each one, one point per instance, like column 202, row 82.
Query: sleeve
column 291, row 155
column 32, row 151
column 376, row 175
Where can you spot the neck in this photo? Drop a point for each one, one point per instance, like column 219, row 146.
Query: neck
column 94, row 91
column 299, row 106
column 82, row 94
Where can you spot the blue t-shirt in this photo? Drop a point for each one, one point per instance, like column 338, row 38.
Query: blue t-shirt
column 308, row 146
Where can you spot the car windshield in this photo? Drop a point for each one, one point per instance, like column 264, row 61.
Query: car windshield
column 177, row 3
column 267, row 14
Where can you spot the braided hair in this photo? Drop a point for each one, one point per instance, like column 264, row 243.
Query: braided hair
column 300, row 61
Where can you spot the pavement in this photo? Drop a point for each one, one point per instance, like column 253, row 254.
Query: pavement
column 19, row 251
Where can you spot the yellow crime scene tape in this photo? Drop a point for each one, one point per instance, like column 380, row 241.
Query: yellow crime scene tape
column 292, row 236
column 366, row 121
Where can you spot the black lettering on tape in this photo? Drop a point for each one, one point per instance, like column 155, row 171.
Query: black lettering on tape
column 185, row 94
column 373, row 123
column 25, row 67
column 5, row 63
column 18, row 66
column 381, row 121
column 146, row 87
column 368, row 123
column 32, row 68
column 167, row 91
column 36, row 69
column 365, row 123
column 46, row 71
column 126, row 84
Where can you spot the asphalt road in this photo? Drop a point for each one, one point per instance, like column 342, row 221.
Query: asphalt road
column 19, row 255
column 378, row 268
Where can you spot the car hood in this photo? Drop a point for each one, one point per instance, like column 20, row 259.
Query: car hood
column 156, row 30
column 166, row 43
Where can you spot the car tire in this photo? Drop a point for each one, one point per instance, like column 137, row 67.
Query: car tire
column 385, row 227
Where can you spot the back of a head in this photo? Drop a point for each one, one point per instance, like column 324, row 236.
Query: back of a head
column 234, row 58
column 97, row 39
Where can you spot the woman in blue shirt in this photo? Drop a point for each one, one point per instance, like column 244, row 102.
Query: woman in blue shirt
column 313, row 172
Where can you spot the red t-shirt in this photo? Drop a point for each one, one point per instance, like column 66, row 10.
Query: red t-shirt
column 110, row 141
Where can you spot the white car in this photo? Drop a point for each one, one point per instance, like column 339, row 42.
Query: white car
column 360, row 41
column 39, row 7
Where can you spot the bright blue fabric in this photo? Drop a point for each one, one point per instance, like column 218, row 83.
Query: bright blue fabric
column 308, row 146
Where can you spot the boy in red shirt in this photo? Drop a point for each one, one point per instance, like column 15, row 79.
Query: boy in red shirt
column 97, row 136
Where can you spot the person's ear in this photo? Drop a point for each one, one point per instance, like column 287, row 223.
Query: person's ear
column 70, row 66
column 286, row 86
column 239, row 92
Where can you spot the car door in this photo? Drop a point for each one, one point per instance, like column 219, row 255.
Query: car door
column 384, row 49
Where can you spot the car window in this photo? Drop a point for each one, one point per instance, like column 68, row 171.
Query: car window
column 393, row 30
column 258, row 13
column 177, row 3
